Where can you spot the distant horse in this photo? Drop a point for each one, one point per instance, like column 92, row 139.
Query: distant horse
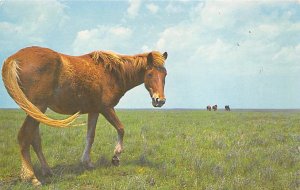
column 215, row 107
column 227, row 108
column 39, row 78
column 208, row 108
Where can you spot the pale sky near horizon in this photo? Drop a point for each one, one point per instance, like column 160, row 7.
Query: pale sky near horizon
column 245, row 54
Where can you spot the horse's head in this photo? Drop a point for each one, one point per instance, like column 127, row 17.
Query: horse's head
column 154, row 78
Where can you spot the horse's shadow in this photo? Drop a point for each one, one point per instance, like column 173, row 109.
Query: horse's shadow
column 71, row 170
column 143, row 161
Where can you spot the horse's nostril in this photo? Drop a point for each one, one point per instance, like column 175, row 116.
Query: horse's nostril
column 157, row 99
column 162, row 101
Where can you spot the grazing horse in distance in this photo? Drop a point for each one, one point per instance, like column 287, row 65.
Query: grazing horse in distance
column 215, row 107
column 39, row 78
column 208, row 108
column 227, row 108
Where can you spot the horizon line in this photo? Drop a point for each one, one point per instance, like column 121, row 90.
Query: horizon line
column 48, row 109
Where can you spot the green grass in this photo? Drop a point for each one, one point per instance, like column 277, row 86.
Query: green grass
column 166, row 150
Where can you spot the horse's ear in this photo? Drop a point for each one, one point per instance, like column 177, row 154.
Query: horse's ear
column 165, row 55
column 150, row 59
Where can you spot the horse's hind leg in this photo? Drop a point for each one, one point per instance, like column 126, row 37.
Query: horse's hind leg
column 37, row 147
column 90, row 135
column 26, row 138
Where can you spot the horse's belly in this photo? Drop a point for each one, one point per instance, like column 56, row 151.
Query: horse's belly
column 70, row 101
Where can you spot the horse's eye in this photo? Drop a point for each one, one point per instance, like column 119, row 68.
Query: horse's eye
column 149, row 75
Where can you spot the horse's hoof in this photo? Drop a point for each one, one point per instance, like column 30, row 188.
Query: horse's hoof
column 115, row 161
column 35, row 182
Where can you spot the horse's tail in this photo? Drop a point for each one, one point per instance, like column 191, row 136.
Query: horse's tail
column 11, row 81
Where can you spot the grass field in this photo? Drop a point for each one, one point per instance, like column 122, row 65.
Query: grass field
column 166, row 150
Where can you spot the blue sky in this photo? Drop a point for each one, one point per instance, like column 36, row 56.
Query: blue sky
column 240, row 53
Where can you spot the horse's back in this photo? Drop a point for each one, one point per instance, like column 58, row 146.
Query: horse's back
column 37, row 60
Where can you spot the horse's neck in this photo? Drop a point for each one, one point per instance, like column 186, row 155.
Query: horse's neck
column 131, row 82
column 134, row 79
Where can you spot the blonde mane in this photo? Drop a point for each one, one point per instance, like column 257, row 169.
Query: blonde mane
column 111, row 61
column 158, row 59
column 125, row 65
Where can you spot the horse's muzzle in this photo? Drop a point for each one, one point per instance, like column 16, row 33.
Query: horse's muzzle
column 157, row 102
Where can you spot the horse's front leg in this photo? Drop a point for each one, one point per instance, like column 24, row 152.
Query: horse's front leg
column 111, row 116
column 90, row 135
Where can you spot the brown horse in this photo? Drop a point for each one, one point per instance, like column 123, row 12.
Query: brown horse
column 215, row 107
column 227, row 108
column 39, row 78
column 208, row 108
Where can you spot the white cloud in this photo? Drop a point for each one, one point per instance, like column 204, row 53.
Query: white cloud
column 30, row 21
column 152, row 8
column 178, row 38
column 102, row 37
column 134, row 7
column 172, row 8
column 145, row 48
column 288, row 55
column 221, row 37
column 35, row 16
column 237, row 53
